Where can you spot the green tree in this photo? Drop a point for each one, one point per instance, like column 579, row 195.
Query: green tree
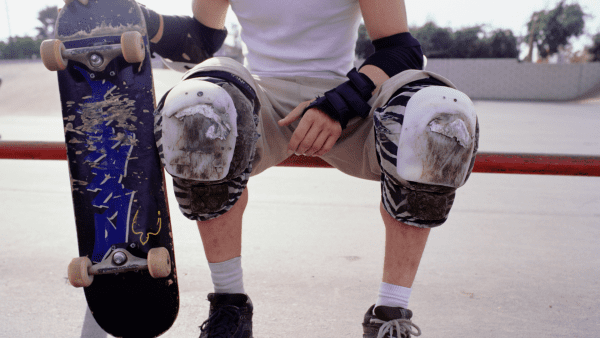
column 436, row 42
column 440, row 42
column 503, row 44
column 469, row 42
column 552, row 29
column 364, row 47
column 47, row 17
column 594, row 50
column 20, row 48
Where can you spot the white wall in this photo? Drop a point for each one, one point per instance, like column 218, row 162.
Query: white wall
column 508, row 79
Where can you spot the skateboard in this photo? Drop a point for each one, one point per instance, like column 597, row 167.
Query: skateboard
column 126, row 265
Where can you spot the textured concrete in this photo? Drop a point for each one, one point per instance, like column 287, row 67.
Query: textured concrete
column 518, row 257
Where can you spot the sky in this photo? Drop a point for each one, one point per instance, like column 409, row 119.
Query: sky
column 506, row 14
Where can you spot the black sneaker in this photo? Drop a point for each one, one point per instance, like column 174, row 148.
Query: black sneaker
column 230, row 316
column 389, row 322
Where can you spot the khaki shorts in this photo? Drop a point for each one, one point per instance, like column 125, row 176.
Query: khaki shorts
column 354, row 153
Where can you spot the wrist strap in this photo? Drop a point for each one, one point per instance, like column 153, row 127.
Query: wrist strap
column 347, row 100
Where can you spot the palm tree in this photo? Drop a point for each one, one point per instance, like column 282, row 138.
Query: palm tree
column 47, row 17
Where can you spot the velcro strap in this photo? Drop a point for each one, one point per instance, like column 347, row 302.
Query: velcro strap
column 347, row 100
column 337, row 102
column 348, row 92
column 363, row 84
column 322, row 104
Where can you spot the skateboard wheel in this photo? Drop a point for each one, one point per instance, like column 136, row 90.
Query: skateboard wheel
column 78, row 272
column 159, row 262
column 52, row 58
column 132, row 45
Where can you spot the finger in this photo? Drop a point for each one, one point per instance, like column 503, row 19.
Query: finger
column 293, row 116
column 299, row 135
column 328, row 145
column 309, row 139
column 318, row 144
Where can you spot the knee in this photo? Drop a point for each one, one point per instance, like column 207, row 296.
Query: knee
column 206, row 133
column 426, row 144
column 438, row 137
column 429, row 137
column 206, row 128
column 199, row 130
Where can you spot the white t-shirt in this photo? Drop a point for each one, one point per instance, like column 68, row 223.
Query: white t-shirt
column 315, row 38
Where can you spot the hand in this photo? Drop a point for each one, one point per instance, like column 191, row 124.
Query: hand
column 316, row 133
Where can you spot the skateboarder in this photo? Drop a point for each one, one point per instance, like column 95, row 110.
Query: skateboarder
column 388, row 121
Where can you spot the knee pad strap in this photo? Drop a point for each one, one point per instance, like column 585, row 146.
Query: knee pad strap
column 200, row 201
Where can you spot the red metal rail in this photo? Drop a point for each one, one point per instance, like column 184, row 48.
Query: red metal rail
column 505, row 163
column 32, row 150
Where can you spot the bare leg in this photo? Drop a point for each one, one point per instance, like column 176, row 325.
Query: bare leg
column 222, row 236
column 404, row 246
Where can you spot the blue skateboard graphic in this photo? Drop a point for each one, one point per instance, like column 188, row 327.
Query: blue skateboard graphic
column 108, row 158
column 126, row 262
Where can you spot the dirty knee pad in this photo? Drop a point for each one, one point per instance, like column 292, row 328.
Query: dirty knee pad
column 200, row 201
column 415, row 198
column 205, row 128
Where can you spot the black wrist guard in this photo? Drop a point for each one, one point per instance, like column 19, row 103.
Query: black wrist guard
column 184, row 39
column 396, row 53
column 347, row 100
column 152, row 21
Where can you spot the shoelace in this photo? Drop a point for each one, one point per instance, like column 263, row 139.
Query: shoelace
column 402, row 326
column 220, row 322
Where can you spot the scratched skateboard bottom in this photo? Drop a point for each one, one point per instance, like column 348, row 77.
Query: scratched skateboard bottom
column 117, row 181
column 118, row 193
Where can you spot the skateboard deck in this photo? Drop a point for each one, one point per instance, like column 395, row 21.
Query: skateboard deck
column 127, row 265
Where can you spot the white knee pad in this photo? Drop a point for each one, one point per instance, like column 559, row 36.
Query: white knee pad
column 199, row 131
column 437, row 138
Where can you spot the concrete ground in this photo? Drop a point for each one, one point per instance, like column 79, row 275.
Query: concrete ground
column 518, row 257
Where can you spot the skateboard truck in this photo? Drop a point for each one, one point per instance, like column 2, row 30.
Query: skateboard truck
column 56, row 56
column 118, row 260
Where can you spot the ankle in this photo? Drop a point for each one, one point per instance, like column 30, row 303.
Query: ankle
column 393, row 295
column 227, row 277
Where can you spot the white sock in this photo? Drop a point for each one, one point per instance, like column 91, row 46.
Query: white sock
column 227, row 277
column 393, row 295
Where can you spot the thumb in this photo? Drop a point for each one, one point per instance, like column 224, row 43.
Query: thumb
column 294, row 115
